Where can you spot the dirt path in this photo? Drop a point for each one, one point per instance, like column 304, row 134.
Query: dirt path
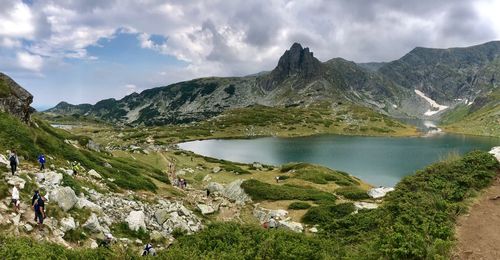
column 478, row 233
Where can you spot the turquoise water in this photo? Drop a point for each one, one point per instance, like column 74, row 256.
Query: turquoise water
column 376, row 160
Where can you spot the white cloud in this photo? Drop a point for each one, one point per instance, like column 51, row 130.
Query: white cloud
column 16, row 20
column 30, row 62
column 130, row 88
column 10, row 43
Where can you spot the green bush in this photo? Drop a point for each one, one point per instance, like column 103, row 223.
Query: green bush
column 299, row 205
column 318, row 174
column 327, row 213
column 352, row 193
column 263, row 191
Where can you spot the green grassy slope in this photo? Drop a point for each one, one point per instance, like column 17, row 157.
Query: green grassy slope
column 480, row 118
column 30, row 141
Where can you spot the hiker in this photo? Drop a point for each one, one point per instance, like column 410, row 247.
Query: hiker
column 41, row 160
column 208, row 192
column 277, row 179
column 149, row 250
column 14, row 161
column 34, row 199
column 273, row 223
column 15, row 198
column 106, row 242
column 76, row 168
column 40, row 210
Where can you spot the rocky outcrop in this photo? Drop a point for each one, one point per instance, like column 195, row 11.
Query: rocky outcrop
column 234, row 192
column 64, row 196
column 496, row 152
column 379, row 192
column 14, row 99
column 205, row 209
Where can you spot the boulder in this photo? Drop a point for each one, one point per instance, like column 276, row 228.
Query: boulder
column 67, row 224
column 15, row 180
column 313, row 230
column 161, row 215
column 234, row 192
column 291, row 225
column 365, row 205
column 28, row 227
column 136, row 220
column 91, row 145
column 94, row 174
column 3, row 160
column 379, row 192
column 50, row 178
column 215, row 187
column 205, row 209
column 85, row 203
column 216, row 169
column 92, row 224
column 65, row 197
column 496, row 152
column 93, row 244
column 278, row 213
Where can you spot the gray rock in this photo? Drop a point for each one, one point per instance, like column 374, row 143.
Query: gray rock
column 3, row 160
column 215, row 187
column 136, row 220
column 28, row 227
column 161, row 215
column 216, row 169
column 234, row 192
column 67, row 224
column 15, row 180
column 205, row 209
column 91, row 145
column 94, row 174
column 92, row 224
column 65, row 197
column 293, row 226
column 17, row 101
column 84, row 203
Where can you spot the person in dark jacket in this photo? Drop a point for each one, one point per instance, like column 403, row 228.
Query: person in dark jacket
column 14, row 161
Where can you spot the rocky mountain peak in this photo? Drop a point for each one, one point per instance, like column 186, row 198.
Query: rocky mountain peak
column 296, row 62
column 14, row 99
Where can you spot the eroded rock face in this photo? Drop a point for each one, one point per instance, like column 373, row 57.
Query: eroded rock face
column 14, row 99
column 233, row 191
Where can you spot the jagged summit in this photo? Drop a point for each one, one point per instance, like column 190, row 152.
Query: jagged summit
column 296, row 62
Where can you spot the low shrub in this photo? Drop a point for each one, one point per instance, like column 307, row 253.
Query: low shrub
column 327, row 213
column 299, row 205
column 263, row 191
column 352, row 193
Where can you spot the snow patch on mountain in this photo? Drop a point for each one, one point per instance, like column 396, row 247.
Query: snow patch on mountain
column 433, row 104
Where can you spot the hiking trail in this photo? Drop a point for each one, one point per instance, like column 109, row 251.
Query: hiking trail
column 478, row 232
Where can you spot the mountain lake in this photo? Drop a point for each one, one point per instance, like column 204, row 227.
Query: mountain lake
column 380, row 161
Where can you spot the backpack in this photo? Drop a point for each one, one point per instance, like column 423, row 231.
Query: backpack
column 13, row 159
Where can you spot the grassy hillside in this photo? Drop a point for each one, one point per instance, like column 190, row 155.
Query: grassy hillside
column 30, row 141
column 480, row 118
column 416, row 221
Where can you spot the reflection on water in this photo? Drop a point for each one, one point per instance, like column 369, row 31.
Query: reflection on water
column 377, row 160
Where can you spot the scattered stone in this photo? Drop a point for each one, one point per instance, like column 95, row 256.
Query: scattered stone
column 15, row 180
column 107, row 165
column 496, row 152
column 161, row 216
column 84, row 203
column 205, row 209
column 49, row 178
column 65, row 197
column 92, row 224
column 28, row 227
column 3, row 160
column 365, row 205
column 207, row 178
column 313, row 230
column 91, row 145
column 379, row 192
column 216, row 169
column 136, row 220
column 291, row 225
column 234, row 192
column 215, row 187
column 94, row 174
column 67, row 224
column 93, row 244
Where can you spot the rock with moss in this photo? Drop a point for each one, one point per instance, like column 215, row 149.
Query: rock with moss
column 65, row 197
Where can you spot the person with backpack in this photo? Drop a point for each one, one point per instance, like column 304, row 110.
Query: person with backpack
column 34, row 199
column 40, row 211
column 149, row 250
column 41, row 160
column 14, row 162
column 273, row 223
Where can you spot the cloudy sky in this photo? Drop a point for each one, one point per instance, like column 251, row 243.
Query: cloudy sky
column 87, row 50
